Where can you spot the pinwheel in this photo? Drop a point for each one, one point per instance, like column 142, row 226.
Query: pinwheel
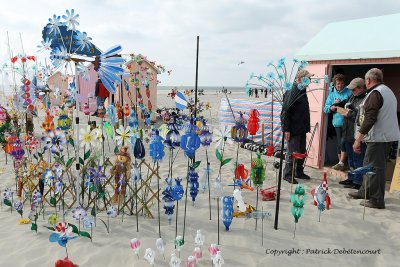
column 17, row 152
column 222, row 136
column 205, row 135
column 108, row 66
column 19, row 207
column 173, row 138
column 193, row 183
column 48, row 124
column 87, row 137
column 97, row 175
column 112, row 212
column 168, row 198
column 227, row 210
column 149, row 255
column 54, row 140
column 157, row 147
column 298, row 199
column 123, row 135
column 62, row 240
column 112, row 114
column 53, row 219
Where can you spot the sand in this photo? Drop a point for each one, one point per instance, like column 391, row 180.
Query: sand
column 323, row 243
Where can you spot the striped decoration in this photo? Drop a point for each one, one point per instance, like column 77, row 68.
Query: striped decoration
column 180, row 101
column 266, row 112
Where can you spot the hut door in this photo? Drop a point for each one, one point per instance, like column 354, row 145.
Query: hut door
column 315, row 139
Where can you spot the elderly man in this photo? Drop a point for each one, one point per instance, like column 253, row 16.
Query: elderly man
column 295, row 118
column 378, row 129
column 349, row 111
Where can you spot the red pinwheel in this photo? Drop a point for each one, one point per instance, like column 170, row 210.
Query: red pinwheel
column 253, row 123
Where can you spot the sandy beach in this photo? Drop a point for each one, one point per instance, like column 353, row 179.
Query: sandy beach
column 340, row 238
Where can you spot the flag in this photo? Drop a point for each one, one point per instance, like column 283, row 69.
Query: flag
column 180, row 101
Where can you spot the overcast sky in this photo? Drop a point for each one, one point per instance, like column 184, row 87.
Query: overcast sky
column 231, row 31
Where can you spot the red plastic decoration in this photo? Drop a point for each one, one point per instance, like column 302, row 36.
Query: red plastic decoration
column 270, row 150
column 14, row 59
column 241, row 172
column 65, row 263
column 253, row 123
column 296, row 155
column 127, row 110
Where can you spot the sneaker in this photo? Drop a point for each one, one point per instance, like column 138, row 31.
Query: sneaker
column 289, row 180
column 346, row 182
column 355, row 195
column 371, row 205
column 303, row 176
column 339, row 167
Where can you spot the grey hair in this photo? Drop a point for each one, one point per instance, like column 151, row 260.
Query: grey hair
column 375, row 75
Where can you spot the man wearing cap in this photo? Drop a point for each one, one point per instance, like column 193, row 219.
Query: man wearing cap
column 378, row 129
column 295, row 119
column 349, row 111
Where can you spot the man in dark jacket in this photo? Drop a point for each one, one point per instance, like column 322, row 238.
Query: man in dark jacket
column 295, row 118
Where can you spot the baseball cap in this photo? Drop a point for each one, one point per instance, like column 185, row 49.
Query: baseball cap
column 303, row 73
column 356, row 82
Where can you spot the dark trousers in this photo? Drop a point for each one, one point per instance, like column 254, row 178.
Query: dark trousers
column 355, row 160
column 339, row 137
column 375, row 156
column 295, row 144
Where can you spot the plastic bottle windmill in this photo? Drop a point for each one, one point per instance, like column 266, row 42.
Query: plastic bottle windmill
column 239, row 131
column 253, row 123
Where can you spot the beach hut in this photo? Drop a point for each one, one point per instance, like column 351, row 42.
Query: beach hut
column 142, row 77
column 351, row 48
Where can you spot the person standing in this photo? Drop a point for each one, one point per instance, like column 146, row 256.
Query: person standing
column 295, row 119
column 378, row 129
column 101, row 94
column 339, row 93
column 349, row 112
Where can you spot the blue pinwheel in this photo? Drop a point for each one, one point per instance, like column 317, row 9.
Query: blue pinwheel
column 108, row 65
column 205, row 135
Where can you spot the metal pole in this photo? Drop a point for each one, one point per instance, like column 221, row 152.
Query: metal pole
column 278, row 193
column 197, row 76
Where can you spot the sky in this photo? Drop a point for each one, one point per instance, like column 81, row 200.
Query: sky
column 165, row 31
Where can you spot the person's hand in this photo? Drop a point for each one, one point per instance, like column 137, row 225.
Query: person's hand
column 333, row 108
column 287, row 136
column 357, row 147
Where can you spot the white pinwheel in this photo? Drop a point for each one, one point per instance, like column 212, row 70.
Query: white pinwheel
column 222, row 136
column 71, row 19
column 123, row 135
column 88, row 137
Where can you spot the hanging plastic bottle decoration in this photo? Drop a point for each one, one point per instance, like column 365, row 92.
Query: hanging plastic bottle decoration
column 173, row 137
column 48, row 124
column 190, row 142
column 191, row 261
column 270, row 150
column 109, row 130
column 241, row 173
column 119, row 110
column 197, row 253
column 253, row 123
column 168, row 198
column 258, row 170
column 298, row 199
column 112, row 114
column 175, row 261
column 179, row 242
column 133, row 122
column 205, row 135
column 193, row 183
column 18, row 152
column 127, row 110
column 147, row 118
column 203, row 183
column 3, row 115
column 139, row 152
column 239, row 131
column 136, row 176
column 101, row 112
column 86, row 109
column 64, row 122
column 157, row 147
column 227, row 211
column 177, row 189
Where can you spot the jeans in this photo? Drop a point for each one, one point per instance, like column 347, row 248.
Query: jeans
column 100, row 101
column 355, row 160
column 340, row 143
